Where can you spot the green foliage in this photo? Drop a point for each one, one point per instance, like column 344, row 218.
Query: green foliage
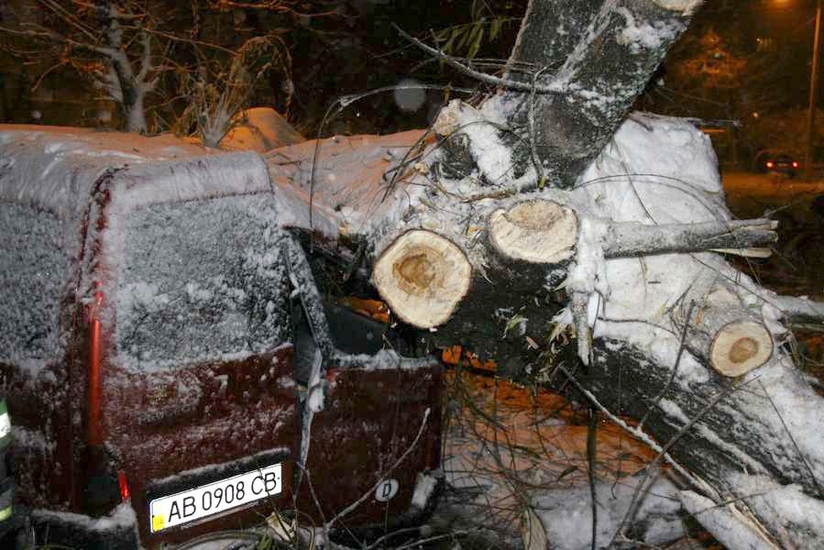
column 466, row 40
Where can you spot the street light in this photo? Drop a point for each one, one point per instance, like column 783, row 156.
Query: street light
column 808, row 160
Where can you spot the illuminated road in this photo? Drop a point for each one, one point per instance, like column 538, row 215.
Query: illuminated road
column 750, row 194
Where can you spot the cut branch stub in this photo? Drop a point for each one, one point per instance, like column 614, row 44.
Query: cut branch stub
column 728, row 335
column 536, row 231
column 740, row 347
column 422, row 276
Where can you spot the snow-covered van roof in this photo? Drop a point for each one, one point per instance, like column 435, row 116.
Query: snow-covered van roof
column 54, row 168
column 351, row 180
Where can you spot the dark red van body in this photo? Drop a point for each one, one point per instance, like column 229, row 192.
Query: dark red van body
column 149, row 351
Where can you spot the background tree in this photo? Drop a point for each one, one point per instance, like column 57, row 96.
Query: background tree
column 152, row 59
column 742, row 61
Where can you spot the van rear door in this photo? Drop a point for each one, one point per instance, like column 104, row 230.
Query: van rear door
column 198, row 407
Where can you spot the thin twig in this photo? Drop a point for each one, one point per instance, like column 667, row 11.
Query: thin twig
column 483, row 77
column 792, row 439
column 349, row 509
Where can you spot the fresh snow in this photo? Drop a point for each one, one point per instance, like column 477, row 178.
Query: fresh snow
column 567, row 513
column 645, row 35
column 351, row 176
column 123, row 516
column 167, row 256
column 724, row 523
column 198, row 282
column 424, row 487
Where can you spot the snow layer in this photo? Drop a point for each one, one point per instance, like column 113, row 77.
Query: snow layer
column 35, row 267
column 53, row 167
column 657, row 171
column 188, row 245
column 46, row 180
column 424, row 488
column 724, row 524
column 199, row 281
column 791, row 509
column 351, row 182
column 567, row 514
column 123, row 516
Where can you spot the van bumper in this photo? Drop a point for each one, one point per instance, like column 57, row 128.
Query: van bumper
column 117, row 531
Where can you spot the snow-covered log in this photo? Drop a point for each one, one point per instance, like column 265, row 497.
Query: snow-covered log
column 723, row 331
column 543, row 231
column 694, row 345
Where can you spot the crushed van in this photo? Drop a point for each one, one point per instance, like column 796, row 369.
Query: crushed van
column 169, row 367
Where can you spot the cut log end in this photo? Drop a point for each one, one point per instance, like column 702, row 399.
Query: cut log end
column 423, row 277
column 685, row 7
column 537, row 231
column 740, row 347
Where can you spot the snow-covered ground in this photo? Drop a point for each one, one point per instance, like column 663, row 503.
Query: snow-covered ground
column 750, row 191
column 509, row 450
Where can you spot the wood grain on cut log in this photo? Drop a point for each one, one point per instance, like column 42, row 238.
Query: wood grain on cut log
column 545, row 232
column 537, row 231
column 422, row 276
column 740, row 346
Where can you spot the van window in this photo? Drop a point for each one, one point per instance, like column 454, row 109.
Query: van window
column 201, row 281
column 33, row 275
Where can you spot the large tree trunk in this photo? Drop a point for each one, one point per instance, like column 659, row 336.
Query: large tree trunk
column 502, row 244
column 599, row 55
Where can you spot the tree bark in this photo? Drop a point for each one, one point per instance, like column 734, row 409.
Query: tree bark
column 602, row 54
column 725, row 433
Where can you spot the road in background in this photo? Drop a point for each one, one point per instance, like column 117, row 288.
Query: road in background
column 750, row 194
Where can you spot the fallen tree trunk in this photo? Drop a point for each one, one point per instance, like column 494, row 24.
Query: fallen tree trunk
column 492, row 235
column 731, row 436
column 505, row 252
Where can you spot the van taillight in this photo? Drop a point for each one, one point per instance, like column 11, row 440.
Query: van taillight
column 123, row 482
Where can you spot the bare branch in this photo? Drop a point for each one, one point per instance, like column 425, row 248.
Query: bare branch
column 483, row 77
column 349, row 509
